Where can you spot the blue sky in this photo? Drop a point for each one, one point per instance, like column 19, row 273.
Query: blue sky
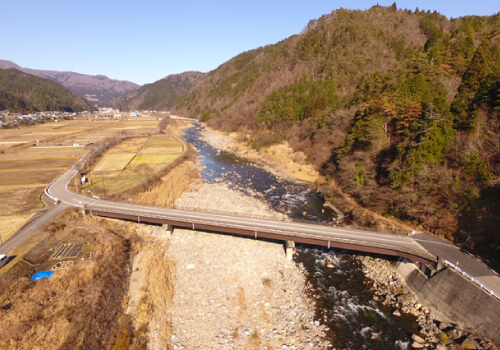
column 143, row 41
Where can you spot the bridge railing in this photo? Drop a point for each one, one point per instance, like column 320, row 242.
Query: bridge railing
column 285, row 218
column 284, row 232
column 472, row 279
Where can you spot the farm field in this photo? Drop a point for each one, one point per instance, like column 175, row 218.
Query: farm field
column 130, row 163
column 114, row 162
column 10, row 224
column 33, row 156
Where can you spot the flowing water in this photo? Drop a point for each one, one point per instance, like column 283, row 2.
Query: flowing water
column 343, row 296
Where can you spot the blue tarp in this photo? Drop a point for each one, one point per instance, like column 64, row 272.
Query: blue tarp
column 42, row 274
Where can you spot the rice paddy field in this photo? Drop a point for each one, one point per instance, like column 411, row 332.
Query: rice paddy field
column 33, row 156
column 129, row 163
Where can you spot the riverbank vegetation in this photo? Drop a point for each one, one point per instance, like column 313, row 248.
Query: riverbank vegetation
column 398, row 109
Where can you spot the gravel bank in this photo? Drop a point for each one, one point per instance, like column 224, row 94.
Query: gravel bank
column 220, row 198
column 235, row 293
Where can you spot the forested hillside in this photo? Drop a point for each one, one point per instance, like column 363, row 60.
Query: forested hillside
column 399, row 108
column 25, row 93
column 159, row 95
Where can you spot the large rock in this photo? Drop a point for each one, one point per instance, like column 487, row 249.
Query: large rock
column 470, row 343
column 454, row 334
column 445, row 326
column 418, row 339
column 416, row 345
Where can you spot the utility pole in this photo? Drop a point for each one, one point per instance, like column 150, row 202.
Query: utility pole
column 103, row 187
column 172, row 190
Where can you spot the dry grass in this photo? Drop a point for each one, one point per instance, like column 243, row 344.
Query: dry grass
column 129, row 146
column 114, row 162
column 171, row 186
column 280, row 157
column 76, row 308
column 107, row 185
column 20, row 199
column 11, row 224
column 152, row 159
column 10, row 164
column 26, row 177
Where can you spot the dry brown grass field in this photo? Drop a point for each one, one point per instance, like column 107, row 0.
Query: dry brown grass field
column 114, row 162
column 10, row 224
column 79, row 307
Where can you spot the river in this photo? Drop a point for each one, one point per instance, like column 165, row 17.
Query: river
column 344, row 300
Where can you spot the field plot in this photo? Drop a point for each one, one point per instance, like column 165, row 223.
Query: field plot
column 28, row 177
column 151, row 155
column 105, row 185
column 10, row 224
column 129, row 146
column 36, row 163
column 114, row 162
column 152, row 159
column 20, row 199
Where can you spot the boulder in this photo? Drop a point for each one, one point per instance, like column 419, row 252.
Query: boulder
column 454, row 334
column 416, row 345
column 418, row 339
column 445, row 326
column 470, row 343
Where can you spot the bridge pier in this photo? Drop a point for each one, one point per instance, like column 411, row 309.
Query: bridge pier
column 290, row 249
column 83, row 211
column 168, row 229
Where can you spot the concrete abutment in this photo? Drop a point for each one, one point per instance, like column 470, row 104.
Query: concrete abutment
column 454, row 299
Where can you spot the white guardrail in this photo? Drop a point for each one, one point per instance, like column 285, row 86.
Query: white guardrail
column 49, row 195
column 472, row 279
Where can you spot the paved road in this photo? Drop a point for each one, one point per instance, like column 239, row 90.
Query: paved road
column 464, row 260
column 41, row 219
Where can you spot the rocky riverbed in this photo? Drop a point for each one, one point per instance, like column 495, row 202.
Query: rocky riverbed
column 433, row 333
column 219, row 198
column 234, row 293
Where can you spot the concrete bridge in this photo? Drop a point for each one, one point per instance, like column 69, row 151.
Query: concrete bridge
column 288, row 231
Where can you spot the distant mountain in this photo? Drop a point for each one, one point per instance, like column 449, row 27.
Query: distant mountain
column 98, row 89
column 159, row 95
column 25, row 93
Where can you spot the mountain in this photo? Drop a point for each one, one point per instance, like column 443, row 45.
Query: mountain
column 98, row 89
column 398, row 109
column 159, row 95
column 25, row 93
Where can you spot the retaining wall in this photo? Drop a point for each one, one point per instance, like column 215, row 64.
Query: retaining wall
column 455, row 299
